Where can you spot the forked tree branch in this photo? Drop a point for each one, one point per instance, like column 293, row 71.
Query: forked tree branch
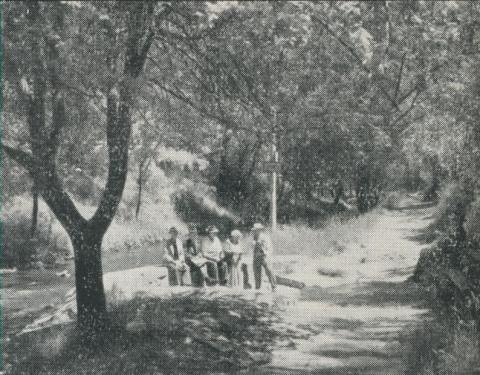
column 50, row 188
column 119, row 122
column 25, row 159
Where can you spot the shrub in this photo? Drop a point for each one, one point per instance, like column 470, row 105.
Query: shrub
column 392, row 201
column 83, row 188
column 19, row 249
column 452, row 207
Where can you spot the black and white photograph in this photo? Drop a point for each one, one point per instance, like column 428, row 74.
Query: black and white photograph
column 240, row 187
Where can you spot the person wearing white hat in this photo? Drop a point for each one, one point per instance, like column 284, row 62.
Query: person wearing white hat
column 213, row 252
column 175, row 259
column 233, row 254
column 262, row 250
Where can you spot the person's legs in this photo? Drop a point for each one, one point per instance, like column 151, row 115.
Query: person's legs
column 269, row 273
column 204, row 271
column 229, row 276
column 179, row 276
column 212, row 270
column 195, row 274
column 257, row 271
column 172, row 276
column 222, row 272
column 184, row 273
column 235, row 275
column 246, row 281
column 228, row 269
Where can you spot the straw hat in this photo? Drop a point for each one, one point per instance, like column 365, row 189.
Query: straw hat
column 212, row 229
column 258, row 226
column 236, row 233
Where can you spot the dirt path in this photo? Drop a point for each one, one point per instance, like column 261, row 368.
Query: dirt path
column 362, row 309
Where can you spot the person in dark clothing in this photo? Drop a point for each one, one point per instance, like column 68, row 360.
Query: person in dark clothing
column 262, row 250
column 246, row 282
column 175, row 259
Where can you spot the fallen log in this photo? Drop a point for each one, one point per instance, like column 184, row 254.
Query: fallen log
column 289, row 282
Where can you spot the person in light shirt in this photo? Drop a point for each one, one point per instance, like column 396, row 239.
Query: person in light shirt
column 212, row 251
column 233, row 255
column 262, row 251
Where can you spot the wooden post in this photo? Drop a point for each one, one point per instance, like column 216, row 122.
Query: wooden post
column 273, row 214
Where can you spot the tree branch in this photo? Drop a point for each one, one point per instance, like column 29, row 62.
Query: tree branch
column 119, row 122
column 407, row 111
column 399, row 80
column 25, row 159
column 50, row 188
column 355, row 55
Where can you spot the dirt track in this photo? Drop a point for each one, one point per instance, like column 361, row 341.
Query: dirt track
column 367, row 316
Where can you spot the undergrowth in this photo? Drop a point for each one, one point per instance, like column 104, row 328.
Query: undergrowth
column 450, row 270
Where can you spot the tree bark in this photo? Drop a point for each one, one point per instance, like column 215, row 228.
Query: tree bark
column 91, row 303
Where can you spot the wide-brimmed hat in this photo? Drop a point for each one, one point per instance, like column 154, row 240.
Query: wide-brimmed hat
column 236, row 233
column 173, row 230
column 258, row 226
column 212, row 229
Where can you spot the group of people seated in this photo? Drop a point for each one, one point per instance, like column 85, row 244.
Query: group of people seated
column 209, row 262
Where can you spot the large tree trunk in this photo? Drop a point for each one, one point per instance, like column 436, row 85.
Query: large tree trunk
column 91, row 304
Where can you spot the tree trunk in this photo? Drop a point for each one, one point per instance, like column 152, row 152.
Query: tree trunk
column 432, row 192
column 408, row 177
column 33, row 227
column 140, row 186
column 91, row 303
